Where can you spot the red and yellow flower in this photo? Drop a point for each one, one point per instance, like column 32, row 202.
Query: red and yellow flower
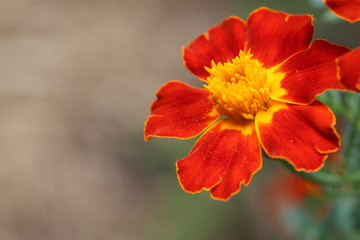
column 348, row 10
column 261, row 79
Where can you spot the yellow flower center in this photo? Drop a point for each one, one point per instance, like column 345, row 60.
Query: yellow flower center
column 239, row 87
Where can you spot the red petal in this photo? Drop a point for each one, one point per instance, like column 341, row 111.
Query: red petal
column 180, row 111
column 302, row 135
column 221, row 43
column 308, row 73
column 346, row 9
column 274, row 36
column 227, row 155
column 349, row 70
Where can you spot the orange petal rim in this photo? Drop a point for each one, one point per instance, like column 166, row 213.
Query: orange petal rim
column 302, row 135
column 309, row 73
column 349, row 70
column 348, row 10
column 274, row 36
column 180, row 111
column 227, row 155
column 220, row 43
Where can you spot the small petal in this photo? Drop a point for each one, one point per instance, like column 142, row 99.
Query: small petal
column 308, row 73
column 349, row 70
column 348, row 10
column 221, row 43
column 274, row 36
column 180, row 111
column 302, row 135
column 227, row 155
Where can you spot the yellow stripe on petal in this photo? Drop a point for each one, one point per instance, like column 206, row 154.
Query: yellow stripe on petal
column 303, row 135
column 246, row 127
column 274, row 82
column 223, row 159
column 306, row 74
column 265, row 117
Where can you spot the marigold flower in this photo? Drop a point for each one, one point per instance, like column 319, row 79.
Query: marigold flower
column 285, row 193
column 261, row 79
column 349, row 70
column 348, row 10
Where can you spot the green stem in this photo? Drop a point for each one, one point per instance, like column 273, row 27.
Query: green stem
column 343, row 193
column 325, row 178
column 352, row 135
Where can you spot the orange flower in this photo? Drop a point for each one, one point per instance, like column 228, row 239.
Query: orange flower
column 286, row 192
column 349, row 70
column 262, row 77
column 290, row 188
column 348, row 10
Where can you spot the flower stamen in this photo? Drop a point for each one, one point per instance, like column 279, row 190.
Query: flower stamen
column 239, row 87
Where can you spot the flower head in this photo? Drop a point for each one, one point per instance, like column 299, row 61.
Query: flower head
column 348, row 10
column 261, row 79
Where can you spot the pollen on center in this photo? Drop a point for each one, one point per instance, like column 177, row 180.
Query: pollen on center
column 239, row 87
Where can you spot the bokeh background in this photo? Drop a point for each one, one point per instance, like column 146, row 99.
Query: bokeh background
column 77, row 78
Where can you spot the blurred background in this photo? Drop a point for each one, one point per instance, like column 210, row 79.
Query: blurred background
column 77, row 78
